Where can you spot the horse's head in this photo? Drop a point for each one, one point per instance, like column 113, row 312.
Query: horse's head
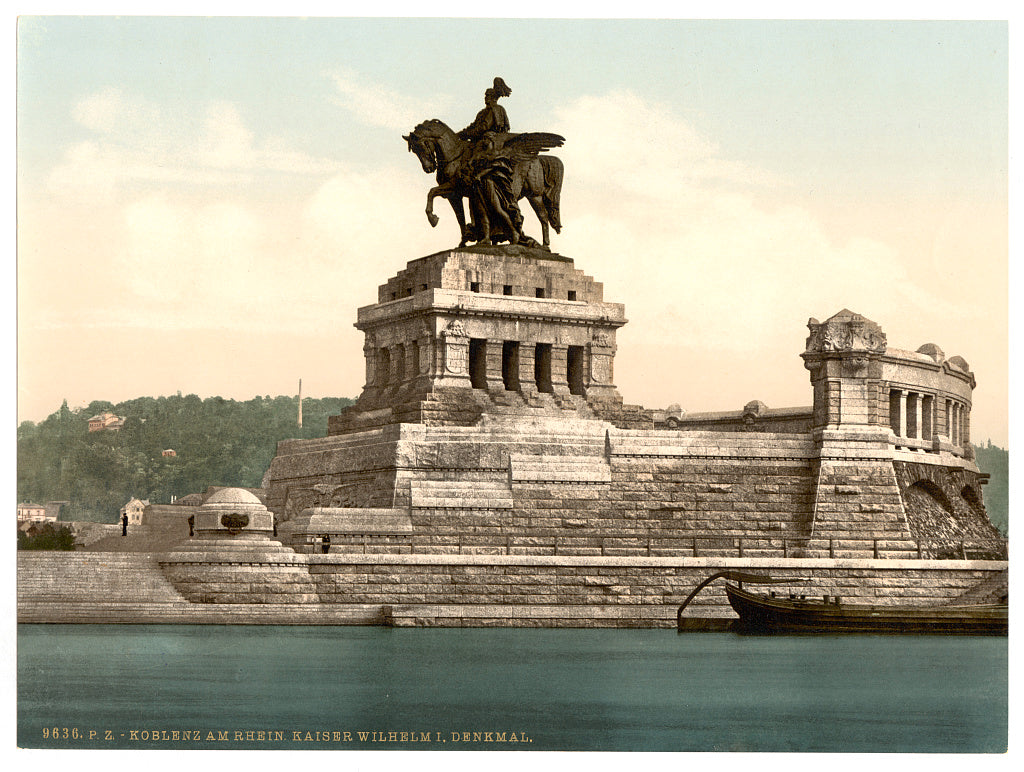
column 433, row 143
column 425, row 149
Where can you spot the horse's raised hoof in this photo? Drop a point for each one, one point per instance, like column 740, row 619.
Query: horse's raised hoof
column 432, row 219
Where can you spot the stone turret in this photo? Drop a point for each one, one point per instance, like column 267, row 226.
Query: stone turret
column 884, row 420
column 844, row 355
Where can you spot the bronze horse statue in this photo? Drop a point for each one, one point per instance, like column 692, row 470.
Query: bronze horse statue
column 535, row 177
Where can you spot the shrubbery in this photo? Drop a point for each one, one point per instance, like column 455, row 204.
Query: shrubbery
column 48, row 537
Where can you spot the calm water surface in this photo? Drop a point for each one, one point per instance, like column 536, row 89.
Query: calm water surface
column 635, row 690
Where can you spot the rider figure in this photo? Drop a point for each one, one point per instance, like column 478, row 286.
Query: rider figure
column 493, row 117
column 490, row 174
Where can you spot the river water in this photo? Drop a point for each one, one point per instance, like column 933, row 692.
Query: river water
column 245, row 687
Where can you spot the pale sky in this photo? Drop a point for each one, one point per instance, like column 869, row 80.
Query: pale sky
column 203, row 204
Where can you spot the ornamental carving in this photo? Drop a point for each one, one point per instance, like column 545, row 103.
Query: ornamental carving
column 846, row 331
column 600, row 368
column 234, row 522
column 601, row 338
column 455, row 329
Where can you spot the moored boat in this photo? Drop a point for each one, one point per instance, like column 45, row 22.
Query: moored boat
column 797, row 614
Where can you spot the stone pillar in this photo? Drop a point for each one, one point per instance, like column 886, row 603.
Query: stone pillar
column 425, row 355
column 527, row 381
column 599, row 380
column 370, row 356
column 397, row 365
column 411, row 366
column 966, row 433
column 559, row 369
column 927, row 417
column 913, row 416
column 492, row 358
column 454, row 350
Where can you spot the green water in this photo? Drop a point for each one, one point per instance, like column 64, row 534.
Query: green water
column 630, row 690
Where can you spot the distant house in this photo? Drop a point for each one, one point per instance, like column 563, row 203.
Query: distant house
column 169, row 453
column 105, row 422
column 34, row 513
column 134, row 510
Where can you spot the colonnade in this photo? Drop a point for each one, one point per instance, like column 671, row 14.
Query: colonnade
column 527, row 367
column 921, row 416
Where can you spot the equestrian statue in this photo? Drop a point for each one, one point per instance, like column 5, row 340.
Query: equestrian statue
column 493, row 168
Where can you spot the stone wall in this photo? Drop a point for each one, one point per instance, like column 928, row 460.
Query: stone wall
column 451, row 590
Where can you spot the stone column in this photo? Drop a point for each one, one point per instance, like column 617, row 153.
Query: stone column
column 965, row 435
column 492, row 360
column 397, row 364
column 370, row 355
column 600, row 367
column 425, row 349
column 559, row 369
column 903, row 413
column 527, row 378
column 454, row 349
column 927, row 416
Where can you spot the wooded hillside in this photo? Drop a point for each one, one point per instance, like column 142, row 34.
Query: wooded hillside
column 216, row 441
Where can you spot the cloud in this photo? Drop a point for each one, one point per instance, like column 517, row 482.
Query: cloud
column 377, row 106
column 705, row 246
column 628, row 145
column 137, row 141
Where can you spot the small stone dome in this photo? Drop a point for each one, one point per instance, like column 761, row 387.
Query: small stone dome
column 232, row 496
column 233, row 511
column 933, row 351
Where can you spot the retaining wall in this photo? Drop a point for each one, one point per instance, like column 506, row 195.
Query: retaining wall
column 449, row 590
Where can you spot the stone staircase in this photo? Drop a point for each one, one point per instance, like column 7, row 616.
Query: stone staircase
column 81, row 576
column 726, row 445
column 460, row 494
column 562, row 469
column 120, row 588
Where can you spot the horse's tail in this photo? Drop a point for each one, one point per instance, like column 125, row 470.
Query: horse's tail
column 553, row 173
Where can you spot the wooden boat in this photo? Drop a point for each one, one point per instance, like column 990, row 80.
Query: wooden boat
column 774, row 613
column 796, row 614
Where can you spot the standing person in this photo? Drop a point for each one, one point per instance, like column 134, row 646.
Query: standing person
column 191, row 525
column 325, row 543
column 124, row 524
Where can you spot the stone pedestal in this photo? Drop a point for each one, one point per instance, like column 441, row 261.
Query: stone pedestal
column 454, row 333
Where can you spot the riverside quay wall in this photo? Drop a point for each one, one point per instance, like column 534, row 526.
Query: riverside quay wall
column 451, row 590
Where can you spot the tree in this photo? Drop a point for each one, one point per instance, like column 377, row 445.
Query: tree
column 48, row 537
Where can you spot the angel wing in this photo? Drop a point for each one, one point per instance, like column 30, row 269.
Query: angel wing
column 525, row 147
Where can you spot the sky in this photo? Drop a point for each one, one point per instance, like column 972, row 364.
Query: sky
column 203, row 204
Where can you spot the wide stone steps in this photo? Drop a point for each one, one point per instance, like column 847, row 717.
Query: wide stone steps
column 568, row 469
column 722, row 444
column 184, row 612
column 460, row 494
column 88, row 577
